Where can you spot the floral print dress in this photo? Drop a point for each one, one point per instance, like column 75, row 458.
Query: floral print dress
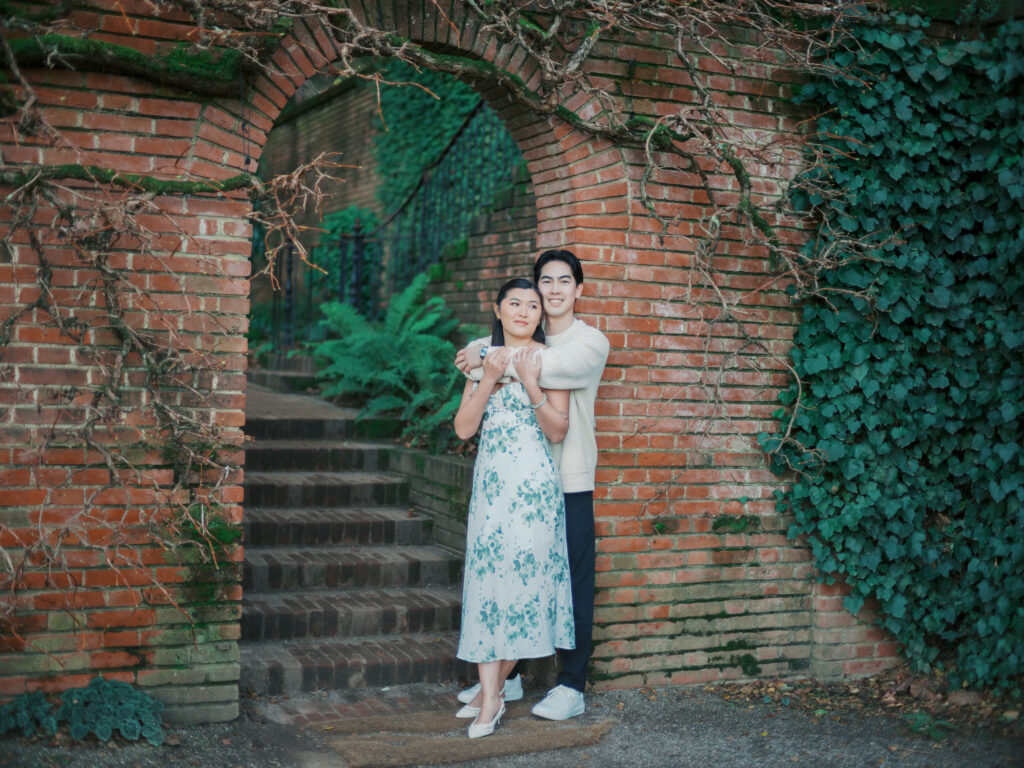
column 516, row 597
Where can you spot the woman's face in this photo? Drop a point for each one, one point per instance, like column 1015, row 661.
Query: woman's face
column 519, row 314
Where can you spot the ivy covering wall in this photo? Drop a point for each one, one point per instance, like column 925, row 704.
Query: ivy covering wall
column 419, row 121
column 907, row 443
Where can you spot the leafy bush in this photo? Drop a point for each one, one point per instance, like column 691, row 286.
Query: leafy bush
column 402, row 364
column 328, row 253
column 102, row 707
column 28, row 712
column 909, row 440
column 106, row 706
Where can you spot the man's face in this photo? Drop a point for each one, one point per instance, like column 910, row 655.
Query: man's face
column 558, row 288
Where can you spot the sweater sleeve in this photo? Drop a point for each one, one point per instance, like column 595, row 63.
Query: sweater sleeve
column 575, row 364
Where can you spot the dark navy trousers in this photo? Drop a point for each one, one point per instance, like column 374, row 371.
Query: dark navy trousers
column 579, row 535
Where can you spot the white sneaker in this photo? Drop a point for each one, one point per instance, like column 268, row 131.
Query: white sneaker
column 561, row 703
column 513, row 691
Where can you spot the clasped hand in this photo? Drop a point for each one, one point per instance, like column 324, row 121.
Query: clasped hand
column 527, row 364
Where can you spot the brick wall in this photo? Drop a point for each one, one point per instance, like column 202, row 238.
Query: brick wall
column 697, row 580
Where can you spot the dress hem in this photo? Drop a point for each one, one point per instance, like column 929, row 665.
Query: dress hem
column 517, row 658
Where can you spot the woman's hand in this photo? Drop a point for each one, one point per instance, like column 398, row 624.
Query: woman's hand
column 495, row 363
column 527, row 364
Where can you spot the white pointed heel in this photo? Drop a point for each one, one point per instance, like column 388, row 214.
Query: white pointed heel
column 468, row 712
column 478, row 730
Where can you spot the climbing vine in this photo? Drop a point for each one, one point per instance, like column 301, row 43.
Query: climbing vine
column 907, row 444
column 417, row 124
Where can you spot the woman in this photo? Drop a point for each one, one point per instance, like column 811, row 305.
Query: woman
column 516, row 599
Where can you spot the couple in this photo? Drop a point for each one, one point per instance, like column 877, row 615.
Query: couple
column 529, row 575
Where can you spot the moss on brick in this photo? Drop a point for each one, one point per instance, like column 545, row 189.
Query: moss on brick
column 736, row 524
column 213, row 71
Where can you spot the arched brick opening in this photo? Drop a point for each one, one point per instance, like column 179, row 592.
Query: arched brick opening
column 684, row 595
column 571, row 172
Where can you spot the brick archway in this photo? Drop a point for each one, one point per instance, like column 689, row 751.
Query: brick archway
column 574, row 175
column 684, row 595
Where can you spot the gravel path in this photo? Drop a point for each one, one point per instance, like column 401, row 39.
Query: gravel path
column 649, row 728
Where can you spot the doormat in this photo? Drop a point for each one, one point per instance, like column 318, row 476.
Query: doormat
column 438, row 738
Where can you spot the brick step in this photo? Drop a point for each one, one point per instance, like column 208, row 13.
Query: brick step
column 322, row 428
column 319, row 489
column 333, row 567
column 316, row 665
column 269, row 527
column 345, row 613
column 312, row 455
column 283, row 381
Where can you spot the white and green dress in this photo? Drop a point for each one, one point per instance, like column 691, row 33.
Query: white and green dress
column 516, row 597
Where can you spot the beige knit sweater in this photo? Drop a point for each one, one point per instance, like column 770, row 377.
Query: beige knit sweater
column 573, row 360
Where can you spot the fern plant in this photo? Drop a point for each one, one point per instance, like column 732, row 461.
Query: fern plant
column 105, row 706
column 401, row 364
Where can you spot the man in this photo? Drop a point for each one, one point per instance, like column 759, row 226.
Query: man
column 574, row 360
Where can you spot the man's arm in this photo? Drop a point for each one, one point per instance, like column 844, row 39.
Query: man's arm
column 572, row 365
column 575, row 364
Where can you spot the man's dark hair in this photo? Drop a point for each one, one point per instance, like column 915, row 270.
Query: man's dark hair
column 559, row 255
column 497, row 332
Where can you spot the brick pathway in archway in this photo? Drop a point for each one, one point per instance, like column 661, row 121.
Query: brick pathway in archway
column 343, row 585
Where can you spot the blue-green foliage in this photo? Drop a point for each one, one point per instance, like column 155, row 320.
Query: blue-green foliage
column 417, row 127
column 27, row 713
column 107, row 706
column 104, row 707
column 331, row 249
column 909, row 435
column 402, row 364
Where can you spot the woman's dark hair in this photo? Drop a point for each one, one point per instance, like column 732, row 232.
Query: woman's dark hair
column 497, row 332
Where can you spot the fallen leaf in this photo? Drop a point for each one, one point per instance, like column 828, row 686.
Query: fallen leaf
column 225, row 742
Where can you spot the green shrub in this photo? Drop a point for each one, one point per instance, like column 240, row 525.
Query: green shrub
column 103, row 708
column 27, row 713
column 909, row 443
column 327, row 254
column 106, row 706
column 401, row 364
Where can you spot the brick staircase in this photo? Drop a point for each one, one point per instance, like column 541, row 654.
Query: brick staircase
column 343, row 585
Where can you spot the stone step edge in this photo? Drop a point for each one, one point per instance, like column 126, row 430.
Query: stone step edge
column 367, row 549
column 349, row 613
column 332, row 476
column 382, row 513
column 273, row 668
column 343, row 592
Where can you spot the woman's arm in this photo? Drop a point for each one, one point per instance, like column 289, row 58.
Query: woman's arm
column 471, row 409
column 550, row 405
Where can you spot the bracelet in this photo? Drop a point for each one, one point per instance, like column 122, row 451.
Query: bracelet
column 542, row 401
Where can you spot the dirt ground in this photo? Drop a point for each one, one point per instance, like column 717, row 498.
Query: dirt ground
column 893, row 719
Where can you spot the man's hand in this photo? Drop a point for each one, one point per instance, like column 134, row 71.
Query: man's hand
column 527, row 363
column 469, row 358
column 495, row 363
